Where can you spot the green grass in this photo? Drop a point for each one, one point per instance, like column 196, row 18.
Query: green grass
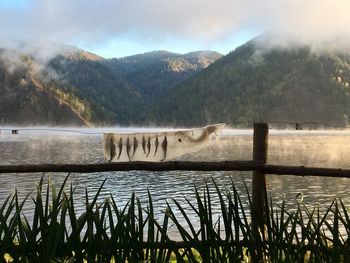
column 106, row 232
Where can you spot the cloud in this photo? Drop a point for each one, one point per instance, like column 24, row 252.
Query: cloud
column 99, row 21
column 310, row 22
column 11, row 60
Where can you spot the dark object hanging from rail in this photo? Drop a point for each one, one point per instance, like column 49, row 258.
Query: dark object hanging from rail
column 298, row 126
column 14, row 131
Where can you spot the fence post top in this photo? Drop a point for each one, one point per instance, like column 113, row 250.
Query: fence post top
column 260, row 124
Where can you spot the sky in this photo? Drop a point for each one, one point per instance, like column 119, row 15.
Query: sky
column 117, row 28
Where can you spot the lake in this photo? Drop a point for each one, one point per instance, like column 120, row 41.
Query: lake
column 309, row 148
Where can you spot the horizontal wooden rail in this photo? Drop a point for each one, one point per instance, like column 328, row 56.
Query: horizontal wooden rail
column 128, row 166
column 178, row 165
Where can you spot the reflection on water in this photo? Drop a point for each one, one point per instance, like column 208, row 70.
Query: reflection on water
column 324, row 149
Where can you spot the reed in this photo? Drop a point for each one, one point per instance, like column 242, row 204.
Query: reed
column 106, row 232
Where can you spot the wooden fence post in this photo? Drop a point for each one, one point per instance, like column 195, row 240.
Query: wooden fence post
column 259, row 202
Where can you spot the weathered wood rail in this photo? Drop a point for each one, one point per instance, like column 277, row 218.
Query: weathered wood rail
column 178, row 166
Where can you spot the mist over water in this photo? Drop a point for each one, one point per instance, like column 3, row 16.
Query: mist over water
column 320, row 148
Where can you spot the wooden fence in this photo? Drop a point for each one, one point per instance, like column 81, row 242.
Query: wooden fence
column 258, row 165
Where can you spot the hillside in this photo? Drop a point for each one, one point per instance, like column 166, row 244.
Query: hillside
column 251, row 83
column 155, row 73
column 112, row 98
column 74, row 87
column 26, row 100
column 255, row 84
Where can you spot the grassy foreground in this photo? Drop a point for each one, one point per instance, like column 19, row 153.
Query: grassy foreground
column 104, row 232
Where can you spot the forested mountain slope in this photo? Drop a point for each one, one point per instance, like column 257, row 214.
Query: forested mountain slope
column 155, row 73
column 253, row 83
column 75, row 87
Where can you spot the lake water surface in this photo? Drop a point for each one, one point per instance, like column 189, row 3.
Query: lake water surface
column 309, row 148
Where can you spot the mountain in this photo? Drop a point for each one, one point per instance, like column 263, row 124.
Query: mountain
column 112, row 98
column 64, row 85
column 26, row 100
column 155, row 73
column 254, row 83
column 72, row 88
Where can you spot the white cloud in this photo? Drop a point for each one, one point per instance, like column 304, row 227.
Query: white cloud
column 99, row 21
